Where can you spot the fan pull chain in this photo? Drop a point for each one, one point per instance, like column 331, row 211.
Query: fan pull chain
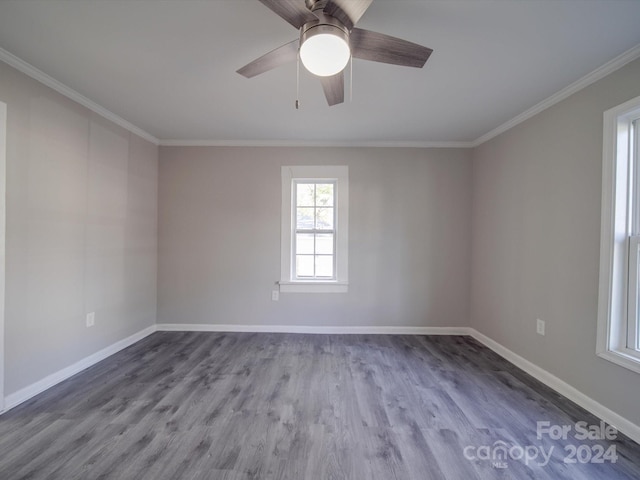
column 298, row 81
column 351, row 79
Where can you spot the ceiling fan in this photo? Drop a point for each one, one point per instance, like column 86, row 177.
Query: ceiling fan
column 329, row 39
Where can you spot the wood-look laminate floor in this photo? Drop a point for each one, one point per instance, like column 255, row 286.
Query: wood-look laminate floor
column 238, row 406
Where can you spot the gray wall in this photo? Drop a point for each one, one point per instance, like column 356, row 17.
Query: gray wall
column 81, row 231
column 536, row 240
column 219, row 237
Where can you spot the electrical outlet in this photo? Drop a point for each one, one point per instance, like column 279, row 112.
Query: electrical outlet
column 540, row 327
column 91, row 319
column 275, row 295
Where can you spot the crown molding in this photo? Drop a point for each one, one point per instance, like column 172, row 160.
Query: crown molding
column 305, row 143
column 592, row 77
column 70, row 93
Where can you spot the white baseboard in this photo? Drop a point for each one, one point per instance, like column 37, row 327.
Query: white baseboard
column 623, row 425
column 371, row 330
column 49, row 381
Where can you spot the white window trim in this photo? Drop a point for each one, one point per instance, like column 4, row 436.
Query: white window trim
column 617, row 184
column 339, row 174
column 3, row 208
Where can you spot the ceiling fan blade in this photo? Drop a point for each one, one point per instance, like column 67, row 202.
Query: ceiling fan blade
column 281, row 55
column 293, row 11
column 333, row 87
column 347, row 11
column 378, row 47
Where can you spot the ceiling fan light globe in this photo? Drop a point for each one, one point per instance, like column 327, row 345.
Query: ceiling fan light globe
column 325, row 54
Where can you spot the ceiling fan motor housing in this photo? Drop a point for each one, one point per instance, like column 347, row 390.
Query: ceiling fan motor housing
column 325, row 24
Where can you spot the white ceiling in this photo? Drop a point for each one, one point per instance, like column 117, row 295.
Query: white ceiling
column 168, row 66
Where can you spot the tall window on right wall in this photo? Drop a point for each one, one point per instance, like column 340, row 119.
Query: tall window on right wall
column 619, row 295
column 633, row 308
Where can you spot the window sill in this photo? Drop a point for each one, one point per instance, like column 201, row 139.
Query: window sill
column 622, row 358
column 314, row 287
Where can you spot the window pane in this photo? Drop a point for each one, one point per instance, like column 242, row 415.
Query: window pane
column 304, row 243
column 634, row 332
column 304, row 265
column 324, row 195
column 324, row 243
column 324, row 218
column 324, row 266
column 304, row 194
column 304, row 219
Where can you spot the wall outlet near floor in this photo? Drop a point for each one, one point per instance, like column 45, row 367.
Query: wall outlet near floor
column 275, row 295
column 91, row 319
column 540, row 327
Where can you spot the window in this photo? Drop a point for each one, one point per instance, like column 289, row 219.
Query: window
column 315, row 223
column 619, row 296
column 315, row 233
